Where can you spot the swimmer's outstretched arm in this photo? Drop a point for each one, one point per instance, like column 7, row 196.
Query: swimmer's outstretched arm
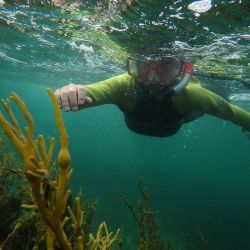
column 73, row 97
column 196, row 98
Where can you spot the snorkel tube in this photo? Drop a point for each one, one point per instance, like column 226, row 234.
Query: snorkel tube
column 188, row 70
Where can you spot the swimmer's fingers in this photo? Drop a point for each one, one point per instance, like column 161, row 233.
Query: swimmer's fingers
column 72, row 96
column 64, row 94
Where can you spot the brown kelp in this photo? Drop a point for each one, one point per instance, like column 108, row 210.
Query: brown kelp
column 51, row 195
column 149, row 235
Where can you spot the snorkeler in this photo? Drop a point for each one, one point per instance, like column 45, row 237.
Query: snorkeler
column 157, row 96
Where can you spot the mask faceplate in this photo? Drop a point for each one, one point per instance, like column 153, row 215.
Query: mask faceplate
column 163, row 71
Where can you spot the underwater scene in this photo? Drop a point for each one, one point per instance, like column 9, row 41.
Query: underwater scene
column 84, row 180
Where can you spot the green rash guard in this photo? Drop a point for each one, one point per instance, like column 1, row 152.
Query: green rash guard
column 122, row 91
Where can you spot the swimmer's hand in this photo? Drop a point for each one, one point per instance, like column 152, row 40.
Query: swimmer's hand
column 247, row 133
column 72, row 97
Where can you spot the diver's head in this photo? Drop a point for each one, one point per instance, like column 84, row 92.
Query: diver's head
column 161, row 72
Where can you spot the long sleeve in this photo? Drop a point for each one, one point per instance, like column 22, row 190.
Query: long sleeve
column 197, row 98
column 116, row 90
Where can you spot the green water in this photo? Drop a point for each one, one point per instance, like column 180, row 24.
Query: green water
column 199, row 179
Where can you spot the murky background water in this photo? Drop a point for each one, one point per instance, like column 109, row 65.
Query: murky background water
column 199, row 178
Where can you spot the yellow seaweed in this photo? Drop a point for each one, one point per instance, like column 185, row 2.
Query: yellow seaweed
column 51, row 196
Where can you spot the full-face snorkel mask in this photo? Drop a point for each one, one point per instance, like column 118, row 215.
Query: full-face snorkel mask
column 161, row 73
